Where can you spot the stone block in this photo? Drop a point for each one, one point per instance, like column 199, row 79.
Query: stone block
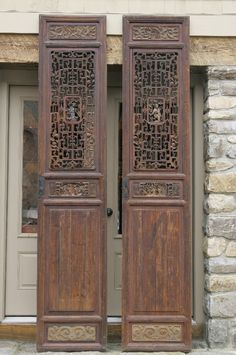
column 222, row 72
column 218, row 164
column 220, row 283
column 222, row 305
column 221, row 127
column 223, row 182
column 231, row 249
column 214, row 246
column 231, row 152
column 232, row 139
column 228, row 87
column 216, row 146
column 220, row 265
column 220, row 203
column 221, row 226
column 220, row 114
column 218, row 333
column 221, row 102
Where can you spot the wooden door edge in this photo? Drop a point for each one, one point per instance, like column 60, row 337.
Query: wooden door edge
column 28, row 332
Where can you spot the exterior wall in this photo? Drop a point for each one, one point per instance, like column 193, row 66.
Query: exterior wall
column 205, row 16
column 220, row 206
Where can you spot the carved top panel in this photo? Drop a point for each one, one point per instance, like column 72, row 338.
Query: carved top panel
column 156, row 32
column 76, row 32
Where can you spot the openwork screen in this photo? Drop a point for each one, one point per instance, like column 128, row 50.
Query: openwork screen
column 155, row 83
column 72, row 110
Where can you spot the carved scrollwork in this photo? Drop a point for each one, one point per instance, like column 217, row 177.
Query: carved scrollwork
column 155, row 139
column 72, row 137
column 73, row 189
column 157, row 189
column 71, row 333
column 156, row 332
column 79, row 32
column 157, row 32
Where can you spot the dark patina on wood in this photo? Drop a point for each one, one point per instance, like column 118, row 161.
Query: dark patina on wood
column 156, row 168
column 72, row 232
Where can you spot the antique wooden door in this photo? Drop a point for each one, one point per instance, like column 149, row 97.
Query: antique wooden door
column 72, row 230
column 156, row 192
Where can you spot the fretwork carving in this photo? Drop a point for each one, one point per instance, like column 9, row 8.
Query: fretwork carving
column 79, row 32
column 73, row 189
column 155, row 141
column 72, row 141
column 157, row 189
column 71, row 333
column 157, row 32
column 157, row 332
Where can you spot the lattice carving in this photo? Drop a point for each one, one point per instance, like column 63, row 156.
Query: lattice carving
column 79, row 32
column 157, row 189
column 72, row 140
column 71, row 333
column 73, row 189
column 155, row 141
column 157, row 32
column 157, row 332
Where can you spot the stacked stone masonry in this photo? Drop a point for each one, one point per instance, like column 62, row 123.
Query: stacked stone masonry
column 220, row 206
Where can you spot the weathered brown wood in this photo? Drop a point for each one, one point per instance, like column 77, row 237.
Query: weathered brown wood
column 156, row 200
column 72, row 231
column 23, row 49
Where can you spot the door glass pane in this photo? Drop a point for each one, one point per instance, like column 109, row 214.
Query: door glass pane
column 30, row 167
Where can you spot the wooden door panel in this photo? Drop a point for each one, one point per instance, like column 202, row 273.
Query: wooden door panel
column 156, row 199
column 73, row 284
column 72, row 206
column 156, row 265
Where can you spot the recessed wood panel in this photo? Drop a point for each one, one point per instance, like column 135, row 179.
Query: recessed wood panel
column 71, row 270
column 155, row 245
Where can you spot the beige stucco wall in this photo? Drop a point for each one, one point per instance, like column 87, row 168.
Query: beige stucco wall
column 207, row 17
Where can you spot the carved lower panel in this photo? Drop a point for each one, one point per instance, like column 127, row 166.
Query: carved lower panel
column 157, row 32
column 73, row 189
column 156, row 332
column 157, row 189
column 68, row 333
column 79, row 32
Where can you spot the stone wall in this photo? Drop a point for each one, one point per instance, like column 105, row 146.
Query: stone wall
column 220, row 206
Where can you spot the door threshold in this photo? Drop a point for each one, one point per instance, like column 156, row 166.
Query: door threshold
column 32, row 320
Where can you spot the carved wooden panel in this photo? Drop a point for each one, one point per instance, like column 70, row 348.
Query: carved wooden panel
column 73, row 189
column 156, row 214
column 72, row 231
column 71, row 333
column 156, row 32
column 156, row 96
column 157, row 332
column 72, row 107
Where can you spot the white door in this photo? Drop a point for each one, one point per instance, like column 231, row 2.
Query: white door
column 21, row 270
column 114, row 166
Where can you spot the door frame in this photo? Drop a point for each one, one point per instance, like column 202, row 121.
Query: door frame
column 8, row 77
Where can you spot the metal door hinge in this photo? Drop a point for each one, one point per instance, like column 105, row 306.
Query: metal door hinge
column 125, row 190
column 41, row 186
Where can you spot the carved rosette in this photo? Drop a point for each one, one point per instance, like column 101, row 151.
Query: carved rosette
column 72, row 110
column 77, row 32
column 155, row 108
column 156, row 332
column 157, row 189
column 157, row 32
column 76, row 333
